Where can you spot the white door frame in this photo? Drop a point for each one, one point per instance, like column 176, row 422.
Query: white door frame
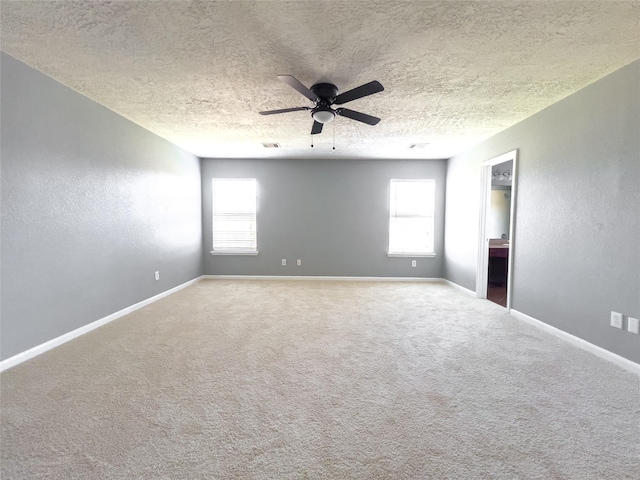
column 482, row 276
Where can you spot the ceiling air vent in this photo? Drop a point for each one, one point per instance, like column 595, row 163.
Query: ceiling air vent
column 271, row 145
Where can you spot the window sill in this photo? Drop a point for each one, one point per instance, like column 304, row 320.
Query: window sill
column 428, row 255
column 233, row 252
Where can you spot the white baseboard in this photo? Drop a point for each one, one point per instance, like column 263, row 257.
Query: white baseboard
column 46, row 346
column 625, row 363
column 319, row 277
column 460, row 287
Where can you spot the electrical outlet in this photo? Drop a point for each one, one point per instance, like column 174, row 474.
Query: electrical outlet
column 157, row 275
column 413, row 263
column 299, row 262
column 633, row 325
column 284, row 262
column 616, row 319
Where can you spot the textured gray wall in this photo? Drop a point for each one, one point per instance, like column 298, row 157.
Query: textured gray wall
column 332, row 214
column 577, row 251
column 92, row 205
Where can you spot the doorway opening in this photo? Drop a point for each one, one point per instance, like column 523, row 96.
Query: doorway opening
column 496, row 230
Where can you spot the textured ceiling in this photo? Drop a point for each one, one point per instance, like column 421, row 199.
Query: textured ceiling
column 197, row 73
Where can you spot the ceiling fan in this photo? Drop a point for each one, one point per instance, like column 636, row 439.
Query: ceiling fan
column 324, row 95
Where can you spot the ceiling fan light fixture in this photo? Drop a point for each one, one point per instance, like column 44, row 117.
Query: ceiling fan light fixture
column 323, row 115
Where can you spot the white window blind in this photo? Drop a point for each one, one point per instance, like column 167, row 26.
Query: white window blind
column 234, row 215
column 411, row 218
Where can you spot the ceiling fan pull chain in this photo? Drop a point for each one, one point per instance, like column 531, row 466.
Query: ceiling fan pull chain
column 312, row 141
column 334, row 135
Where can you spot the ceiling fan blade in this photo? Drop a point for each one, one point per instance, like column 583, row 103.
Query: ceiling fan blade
column 359, row 116
column 284, row 110
column 295, row 83
column 317, row 128
column 359, row 92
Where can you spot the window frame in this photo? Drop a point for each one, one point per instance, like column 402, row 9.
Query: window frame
column 431, row 217
column 233, row 251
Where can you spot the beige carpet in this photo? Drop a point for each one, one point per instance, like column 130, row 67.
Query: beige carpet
column 319, row 380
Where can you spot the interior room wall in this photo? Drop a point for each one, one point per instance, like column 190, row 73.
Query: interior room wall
column 332, row 214
column 92, row 206
column 577, row 225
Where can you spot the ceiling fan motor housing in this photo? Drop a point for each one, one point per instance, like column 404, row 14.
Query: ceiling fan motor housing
column 327, row 92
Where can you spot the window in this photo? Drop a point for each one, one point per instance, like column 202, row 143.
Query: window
column 411, row 217
column 234, row 216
